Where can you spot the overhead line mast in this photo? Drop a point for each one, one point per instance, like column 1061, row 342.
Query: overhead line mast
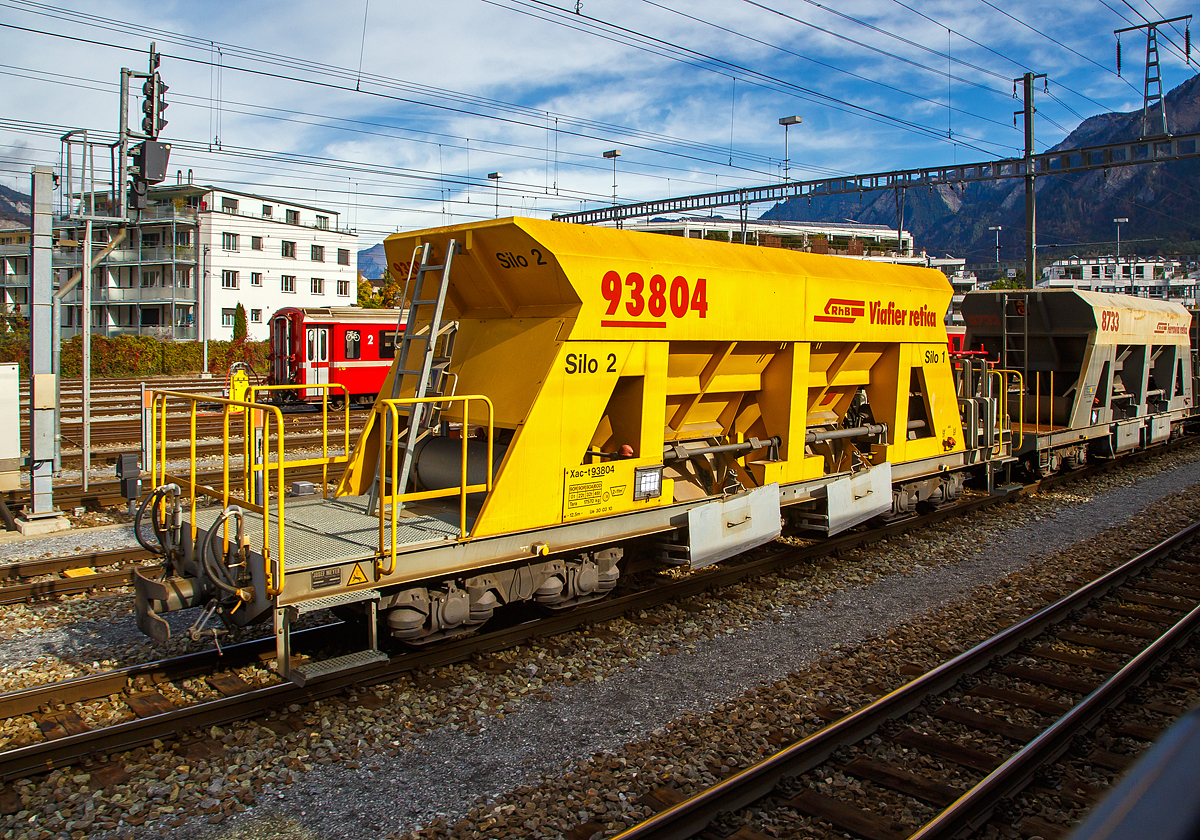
column 1030, row 184
column 1153, row 70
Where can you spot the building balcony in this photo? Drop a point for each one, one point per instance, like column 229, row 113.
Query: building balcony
column 15, row 250
column 129, row 256
column 144, row 294
column 168, row 253
column 14, row 279
column 169, row 213
column 178, row 333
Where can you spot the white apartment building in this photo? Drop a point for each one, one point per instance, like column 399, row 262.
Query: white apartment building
column 190, row 258
column 267, row 254
column 1150, row 277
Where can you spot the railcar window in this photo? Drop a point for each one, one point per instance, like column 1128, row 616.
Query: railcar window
column 322, row 345
column 387, row 344
column 312, row 342
column 353, row 344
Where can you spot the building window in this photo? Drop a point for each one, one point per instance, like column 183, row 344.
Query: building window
column 318, row 253
column 343, row 288
column 256, row 316
column 256, row 243
column 229, row 241
column 227, row 316
column 343, row 256
column 317, row 286
column 287, row 283
column 323, row 222
column 229, row 279
column 183, row 278
column 229, row 205
column 289, row 249
column 255, row 278
column 149, row 278
column 353, row 344
column 293, row 217
column 268, row 210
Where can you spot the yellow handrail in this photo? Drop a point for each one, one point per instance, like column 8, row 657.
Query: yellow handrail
column 275, row 570
column 1001, row 372
column 397, row 499
column 325, row 460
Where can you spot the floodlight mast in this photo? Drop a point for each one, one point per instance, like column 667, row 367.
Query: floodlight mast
column 613, row 154
column 495, row 177
column 785, row 122
column 1119, row 222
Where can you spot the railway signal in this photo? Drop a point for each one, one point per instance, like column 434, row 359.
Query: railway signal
column 150, row 157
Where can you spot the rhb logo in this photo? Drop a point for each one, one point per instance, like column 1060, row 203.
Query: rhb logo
column 840, row 311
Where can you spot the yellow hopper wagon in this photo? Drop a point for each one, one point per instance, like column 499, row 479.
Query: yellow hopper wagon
column 562, row 395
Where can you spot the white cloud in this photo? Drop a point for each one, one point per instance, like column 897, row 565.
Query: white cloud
column 503, row 71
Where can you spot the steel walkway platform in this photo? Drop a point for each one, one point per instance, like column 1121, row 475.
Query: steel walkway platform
column 321, row 532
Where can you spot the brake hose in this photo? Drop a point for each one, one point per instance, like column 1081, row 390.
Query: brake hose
column 212, row 560
column 165, row 541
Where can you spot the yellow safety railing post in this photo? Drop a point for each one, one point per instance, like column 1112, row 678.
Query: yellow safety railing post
column 396, row 497
column 1003, row 374
column 192, row 453
column 1037, row 406
column 253, row 416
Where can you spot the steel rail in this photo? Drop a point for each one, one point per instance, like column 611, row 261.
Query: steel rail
column 52, row 565
column 689, row 817
column 975, row 807
column 20, row 593
column 47, row 755
column 94, row 686
column 211, row 449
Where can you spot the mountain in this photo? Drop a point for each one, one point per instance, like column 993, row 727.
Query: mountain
column 1075, row 212
column 14, row 208
column 372, row 262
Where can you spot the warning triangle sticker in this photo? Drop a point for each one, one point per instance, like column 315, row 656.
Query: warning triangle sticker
column 357, row 576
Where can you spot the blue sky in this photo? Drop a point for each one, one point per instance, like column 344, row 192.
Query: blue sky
column 397, row 123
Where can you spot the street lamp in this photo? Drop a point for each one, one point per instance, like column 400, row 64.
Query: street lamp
column 1119, row 222
column 496, row 176
column 785, row 122
column 997, row 228
column 613, row 154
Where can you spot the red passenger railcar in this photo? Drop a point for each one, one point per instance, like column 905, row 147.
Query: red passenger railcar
column 348, row 345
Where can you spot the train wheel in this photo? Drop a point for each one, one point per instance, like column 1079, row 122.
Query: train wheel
column 581, row 582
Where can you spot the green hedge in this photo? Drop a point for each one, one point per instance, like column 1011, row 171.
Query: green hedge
column 141, row 355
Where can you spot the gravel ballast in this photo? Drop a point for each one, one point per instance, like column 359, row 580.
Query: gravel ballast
column 430, row 756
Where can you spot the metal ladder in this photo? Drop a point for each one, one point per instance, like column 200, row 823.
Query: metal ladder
column 1016, row 334
column 430, row 371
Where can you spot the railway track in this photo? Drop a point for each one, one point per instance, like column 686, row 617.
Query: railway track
column 1022, row 700
column 214, row 449
column 103, row 570
column 66, row 740
column 102, row 494
column 111, row 432
column 152, row 718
